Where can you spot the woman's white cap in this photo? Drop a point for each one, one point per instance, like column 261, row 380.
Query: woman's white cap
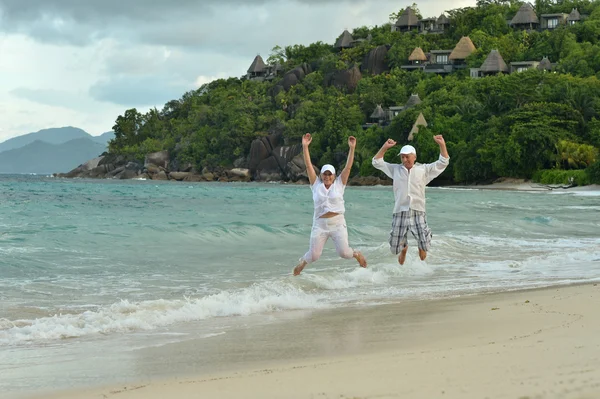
column 329, row 168
column 407, row 149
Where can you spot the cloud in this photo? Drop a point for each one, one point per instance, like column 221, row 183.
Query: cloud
column 139, row 91
column 55, row 98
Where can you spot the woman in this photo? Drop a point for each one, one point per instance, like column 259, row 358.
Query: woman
column 328, row 220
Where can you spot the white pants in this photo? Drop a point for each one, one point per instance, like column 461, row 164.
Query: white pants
column 322, row 229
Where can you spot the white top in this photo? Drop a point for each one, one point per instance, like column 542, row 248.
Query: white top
column 328, row 200
column 409, row 186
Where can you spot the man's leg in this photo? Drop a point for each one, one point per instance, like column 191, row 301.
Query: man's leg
column 400, row 224
column 422, row 232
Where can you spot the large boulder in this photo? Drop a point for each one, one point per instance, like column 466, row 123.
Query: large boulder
column 374, row 62
column 268, row 170
column 179, row 176
column 346, row 80
column 160, row 158
column 261, row 149
column 284, row 154
column 296, row 169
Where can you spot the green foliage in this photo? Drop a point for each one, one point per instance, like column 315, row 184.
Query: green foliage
column 567, row 177
column 593, row 172
column 505, row 125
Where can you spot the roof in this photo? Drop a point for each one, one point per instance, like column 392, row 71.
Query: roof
column 258, row 65
column 525, row 15
column 574, row 15
column 413, row 100
column 443, row 19
column 516, row 63
column 344, row 40
column 417, row 55
column 379, row 113
column 415, row 128
column 463, row 49
column 554, row 15
column 545, row 64
column 408, row 18
column 440, row 51
column 428, row 19
column 494, row 63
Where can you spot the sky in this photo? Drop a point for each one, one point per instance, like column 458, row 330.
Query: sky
column 82, row 63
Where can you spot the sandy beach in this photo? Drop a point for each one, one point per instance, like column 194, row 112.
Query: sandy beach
column 523, row 344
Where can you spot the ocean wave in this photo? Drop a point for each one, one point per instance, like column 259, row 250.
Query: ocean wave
column 126, row 316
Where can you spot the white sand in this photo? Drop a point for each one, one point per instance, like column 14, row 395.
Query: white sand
column 528, row 344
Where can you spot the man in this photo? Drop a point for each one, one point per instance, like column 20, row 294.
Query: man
column 410, row 179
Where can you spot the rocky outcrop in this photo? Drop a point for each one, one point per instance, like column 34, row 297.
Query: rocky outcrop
column 160, row 158
column 346, row 80
column 291, row 78
column 374, row 62
column 369, row 181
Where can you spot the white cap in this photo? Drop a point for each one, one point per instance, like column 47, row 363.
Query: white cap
column 329, row 168
column 408, row 149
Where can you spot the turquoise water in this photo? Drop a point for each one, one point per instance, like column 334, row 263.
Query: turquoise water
column 114, row 264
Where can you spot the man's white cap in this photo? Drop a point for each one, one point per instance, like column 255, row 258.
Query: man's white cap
column 329, row 168
column 407, row 149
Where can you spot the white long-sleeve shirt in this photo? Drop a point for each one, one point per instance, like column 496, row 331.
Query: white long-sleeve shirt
column 409, row 186
column 328, row 199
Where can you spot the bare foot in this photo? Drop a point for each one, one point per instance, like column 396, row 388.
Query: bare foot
column 298, row 269
column 402, row 256
column 360, row 258
column 422, row 254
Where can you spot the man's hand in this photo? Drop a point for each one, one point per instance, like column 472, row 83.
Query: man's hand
column 306, row 140
column 352, row 142
column 439, row 139
column 389, row 144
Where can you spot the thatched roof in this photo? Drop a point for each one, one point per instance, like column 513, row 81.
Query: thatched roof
column 463, row 49
column 257, row 66
column 443, row 19
column 379, row 113
column 345, row 40
column 412, row 101
column 494, row 63
column 415, row 128
column 526, row 15
column 408, row 18
column 417, row 55
column 574, row 15
column 545, row 64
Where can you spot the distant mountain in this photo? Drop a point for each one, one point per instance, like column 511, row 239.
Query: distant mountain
column 42, row 157
column 58, row 135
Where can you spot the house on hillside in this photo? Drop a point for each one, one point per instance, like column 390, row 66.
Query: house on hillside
column 344, row 41
column 434, row 25
column 463, row 49
column 417, row 60
column 407, row 21
column 439, row 62
column 257, row 70
column 383, row 116
column 522, row 66
column 574, row 17
column 525, row 18
column 493, row 64
column 545, row 65
column 552, row 21
column 420, row 122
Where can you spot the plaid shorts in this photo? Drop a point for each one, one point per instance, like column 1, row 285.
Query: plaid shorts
column 416, row 221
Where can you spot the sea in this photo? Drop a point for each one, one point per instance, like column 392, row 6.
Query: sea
column 90, row 269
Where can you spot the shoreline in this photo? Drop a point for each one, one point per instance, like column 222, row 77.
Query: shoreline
column 537, row 343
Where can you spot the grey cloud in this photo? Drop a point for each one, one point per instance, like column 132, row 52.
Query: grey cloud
column 138, row 91
column 55, row 98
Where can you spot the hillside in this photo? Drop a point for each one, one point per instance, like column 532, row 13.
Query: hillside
column 513, row 88
column 44, row 158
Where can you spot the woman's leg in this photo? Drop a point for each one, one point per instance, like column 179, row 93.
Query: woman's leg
column 318, row 238
column 339, row 235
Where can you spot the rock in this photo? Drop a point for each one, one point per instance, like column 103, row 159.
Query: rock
column 268, row 170
column 345, row 80
column 194, row 177
column 162, row 175
column 179, row 176
column 240, row 163
column 127, row 174
column 160, row 158
column 152, row 168
column 369, row 181
column 261, row 149
column 296, row 169
column 239, row 172
column 374, row 61
column 186, row 167
column 208, row 176
column 115, row 171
